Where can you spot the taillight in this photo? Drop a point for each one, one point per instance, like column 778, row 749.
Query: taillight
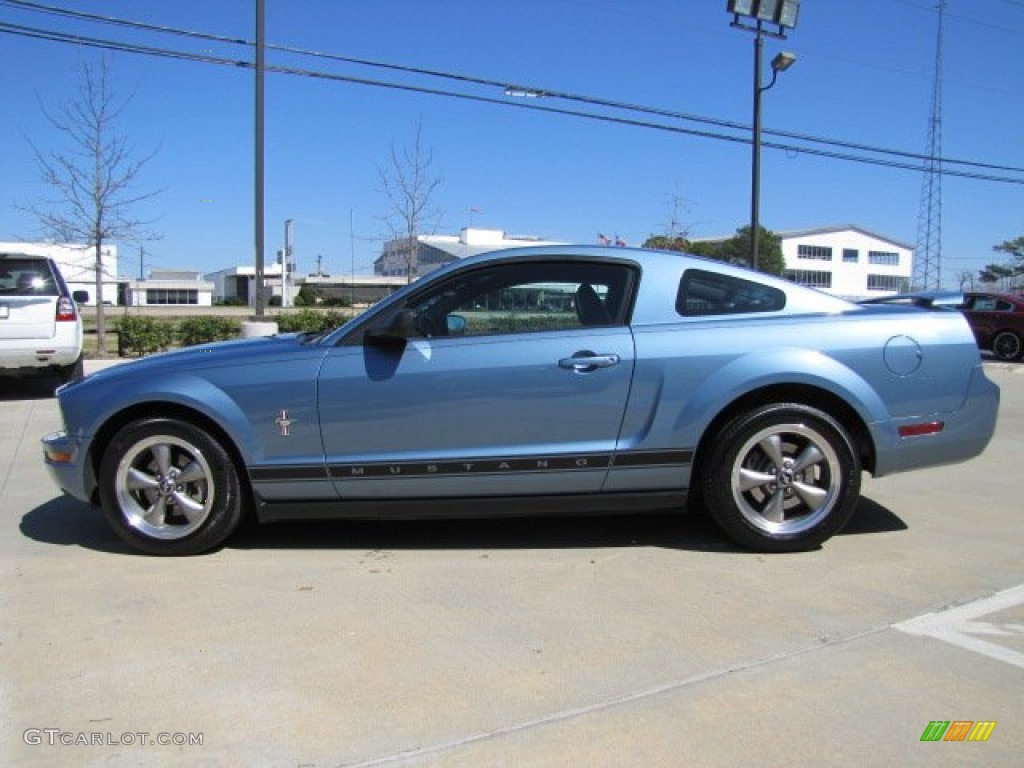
column 66, row 310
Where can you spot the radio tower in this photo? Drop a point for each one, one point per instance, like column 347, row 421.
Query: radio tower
column 927, row 273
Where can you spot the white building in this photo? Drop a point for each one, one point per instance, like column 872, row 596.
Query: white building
column 77, row 264
column 847, row 261
column 437, row 250
column 236, row 285
column 167, row 287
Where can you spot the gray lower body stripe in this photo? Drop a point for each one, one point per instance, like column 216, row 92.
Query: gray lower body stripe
column 582, row 462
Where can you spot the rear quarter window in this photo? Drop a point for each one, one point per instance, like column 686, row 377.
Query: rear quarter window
column 705, row 294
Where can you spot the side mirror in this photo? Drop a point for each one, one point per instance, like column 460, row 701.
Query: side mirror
column 394, row 331
column 456, row 325
column 80, row 297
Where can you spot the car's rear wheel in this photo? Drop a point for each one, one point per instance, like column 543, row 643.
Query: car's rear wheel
column 1007, row 345
column 782, row 478
column 169, row 488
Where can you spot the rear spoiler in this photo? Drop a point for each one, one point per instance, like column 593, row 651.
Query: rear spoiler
column 923, row 299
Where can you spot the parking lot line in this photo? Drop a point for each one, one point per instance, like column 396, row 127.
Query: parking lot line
column 959, row 626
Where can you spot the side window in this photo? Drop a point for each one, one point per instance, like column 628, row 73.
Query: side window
column 703, row 294
column 524, row 298
column 983, row 304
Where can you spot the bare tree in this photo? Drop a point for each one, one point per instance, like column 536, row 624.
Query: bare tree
column 409, row 183
column 91, row 180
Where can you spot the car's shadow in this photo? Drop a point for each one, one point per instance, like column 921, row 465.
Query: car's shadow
column 65, row 521
column 39, row 387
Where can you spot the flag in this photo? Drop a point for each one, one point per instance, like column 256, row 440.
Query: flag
column 603, row 240
column 620, row 242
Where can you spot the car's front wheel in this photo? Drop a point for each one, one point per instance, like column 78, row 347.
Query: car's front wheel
column 782, row 478
column 1007, row 345
column 169, row 488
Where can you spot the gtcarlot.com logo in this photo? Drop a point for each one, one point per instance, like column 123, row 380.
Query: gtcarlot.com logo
column 958, row 730
column 57, row 737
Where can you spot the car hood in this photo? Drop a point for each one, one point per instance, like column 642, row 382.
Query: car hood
column 239, row 352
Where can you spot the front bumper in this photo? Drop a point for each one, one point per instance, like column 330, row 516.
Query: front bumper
column 66, row 462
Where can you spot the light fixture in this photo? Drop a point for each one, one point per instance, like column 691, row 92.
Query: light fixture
column 782, row 13
column 783, row 61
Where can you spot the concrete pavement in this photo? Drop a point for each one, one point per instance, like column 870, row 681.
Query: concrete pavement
column 599, row 642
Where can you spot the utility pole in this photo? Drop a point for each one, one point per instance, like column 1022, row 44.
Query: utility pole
column 259, row 302
column 352, row 253
column 286, row 261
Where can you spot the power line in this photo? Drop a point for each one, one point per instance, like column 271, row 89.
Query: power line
column 532, row 90
column 113, row 45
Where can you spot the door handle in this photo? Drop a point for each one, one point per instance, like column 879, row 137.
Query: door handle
column 585, row 361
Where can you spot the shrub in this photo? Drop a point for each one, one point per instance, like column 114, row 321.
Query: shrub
column 336, row 301
column 203, row 330
column 308, row 320
column 143, row 335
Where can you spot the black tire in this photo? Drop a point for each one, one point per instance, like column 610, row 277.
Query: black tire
column 73, row 372
column 781, row 478
column 169, row 488
column 1007, row 345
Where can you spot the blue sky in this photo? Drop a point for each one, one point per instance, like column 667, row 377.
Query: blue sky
column 863, row 75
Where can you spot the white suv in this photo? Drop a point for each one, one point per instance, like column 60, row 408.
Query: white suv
column 40, row 326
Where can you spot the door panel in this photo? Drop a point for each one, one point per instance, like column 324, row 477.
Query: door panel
column 477, row 415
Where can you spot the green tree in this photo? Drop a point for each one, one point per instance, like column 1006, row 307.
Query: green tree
column 735, row 250
column 995, row 274
column 309, row 296
column 1013, row 247
column 1008, row 273
column 667, row 243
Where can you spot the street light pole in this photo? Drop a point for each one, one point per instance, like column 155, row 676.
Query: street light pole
column 780, row 63
column 755, row 166
column 783, row 15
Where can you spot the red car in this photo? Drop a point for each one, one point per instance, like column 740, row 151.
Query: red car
column 997, row 320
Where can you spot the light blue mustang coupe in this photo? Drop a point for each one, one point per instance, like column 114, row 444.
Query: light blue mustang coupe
column 536, row 381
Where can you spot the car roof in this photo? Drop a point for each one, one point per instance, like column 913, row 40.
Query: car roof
column 644, row 257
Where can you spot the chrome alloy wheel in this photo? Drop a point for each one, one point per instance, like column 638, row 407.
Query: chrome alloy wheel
column 786, row 479
column 163, row 486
